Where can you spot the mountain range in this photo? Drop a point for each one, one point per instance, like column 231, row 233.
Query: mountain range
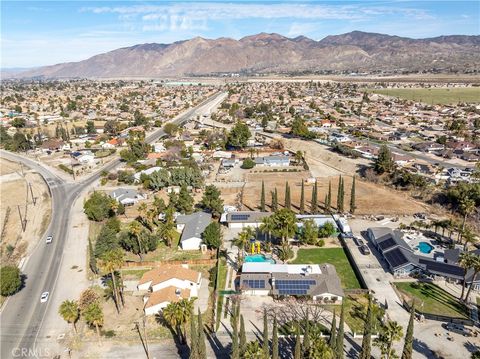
column 273, row 53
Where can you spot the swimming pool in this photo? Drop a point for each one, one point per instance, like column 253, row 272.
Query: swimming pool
column 258, row 258
column 425, row 247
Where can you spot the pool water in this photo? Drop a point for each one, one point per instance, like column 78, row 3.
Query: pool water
column 425, row 247
column 257, row 258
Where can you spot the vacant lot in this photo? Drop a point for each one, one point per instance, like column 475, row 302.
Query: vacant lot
column 436, row 95
column 16, row 198
column 335, row 256
column 370, row 198
column 432, row 299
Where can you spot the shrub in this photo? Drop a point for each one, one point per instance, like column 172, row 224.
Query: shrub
column 10, row 280
column 66, row 169
column 248, row 163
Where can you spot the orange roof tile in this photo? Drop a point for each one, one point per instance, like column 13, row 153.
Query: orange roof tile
column 168, row 271
column 168, row 294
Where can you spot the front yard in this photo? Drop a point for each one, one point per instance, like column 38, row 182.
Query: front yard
column 432, row 299
column 334, row 256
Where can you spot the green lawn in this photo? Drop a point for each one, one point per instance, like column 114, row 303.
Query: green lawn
column 221, row 282
column 434, row 95
column 335, row 256
column 435, row 300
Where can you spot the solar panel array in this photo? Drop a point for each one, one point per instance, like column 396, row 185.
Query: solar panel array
column 443, row 267
column 294, row 287
column 254, row 283
column 395, row 257
column 240, row 217
column 390, row 242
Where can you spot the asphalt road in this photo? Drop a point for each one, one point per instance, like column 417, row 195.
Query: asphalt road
column 22, row 315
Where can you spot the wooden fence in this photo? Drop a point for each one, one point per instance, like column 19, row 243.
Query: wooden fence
column 153, row 264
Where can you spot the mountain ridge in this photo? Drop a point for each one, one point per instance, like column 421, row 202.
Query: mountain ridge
column 263, row 53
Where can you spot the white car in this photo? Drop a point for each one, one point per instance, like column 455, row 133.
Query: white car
column 44, row 297
column 49, row 239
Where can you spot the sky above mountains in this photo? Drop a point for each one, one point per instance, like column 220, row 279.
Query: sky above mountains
column 35, row 33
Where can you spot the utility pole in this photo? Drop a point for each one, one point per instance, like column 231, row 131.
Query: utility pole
column 23, row 221
column 145, row 335
column 142, row 340
column 34, row 199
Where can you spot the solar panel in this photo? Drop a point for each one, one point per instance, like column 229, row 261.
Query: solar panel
column 254, row 283
column 240, row 217
column 390, row 242
column 443, row 268
column 396, row 258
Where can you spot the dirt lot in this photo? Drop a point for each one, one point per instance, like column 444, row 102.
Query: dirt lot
column 370, row 198
column 13, row 190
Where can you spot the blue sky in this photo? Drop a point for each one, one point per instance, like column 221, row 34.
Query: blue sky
column 35, row 33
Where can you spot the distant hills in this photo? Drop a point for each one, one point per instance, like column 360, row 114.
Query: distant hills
column 273, row 53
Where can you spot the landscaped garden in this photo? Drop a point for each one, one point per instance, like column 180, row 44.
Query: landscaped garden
column 432, row 299
column 334, row 256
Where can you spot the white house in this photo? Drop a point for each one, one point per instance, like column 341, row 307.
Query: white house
column 86, row 159
column 192, row 227
column 126, row 196
column 168, row 283
column 148, row 171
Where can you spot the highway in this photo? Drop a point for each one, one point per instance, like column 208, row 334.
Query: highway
column 22, row 315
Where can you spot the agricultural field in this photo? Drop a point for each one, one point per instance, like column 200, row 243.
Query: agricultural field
column 433, row 96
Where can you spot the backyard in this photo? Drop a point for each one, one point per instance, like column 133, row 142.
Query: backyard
column 335, row 256
column 432, row 299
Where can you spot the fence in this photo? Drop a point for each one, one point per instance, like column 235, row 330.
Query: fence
column 152, row 264
column 440, row 318
column 351, row 260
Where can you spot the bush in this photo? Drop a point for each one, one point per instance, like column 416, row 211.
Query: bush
column 99, row 206
column 248, row 163
column 10, row 280
column 66, row 169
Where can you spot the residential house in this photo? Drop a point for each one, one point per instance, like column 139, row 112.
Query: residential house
column 273, row 161
column 318, row 281
column 192, row 227
column 126, row 196
column 242, row 219
column 166, row 284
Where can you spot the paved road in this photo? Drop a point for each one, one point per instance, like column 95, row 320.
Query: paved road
column 22, row 315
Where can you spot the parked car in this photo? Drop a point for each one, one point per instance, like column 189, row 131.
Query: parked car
column 49, row 239
column 459, row 329
column 44, row 297
column 365, row 250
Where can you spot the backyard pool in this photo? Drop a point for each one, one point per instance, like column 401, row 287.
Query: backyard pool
column 259, row 258
column 425, row 247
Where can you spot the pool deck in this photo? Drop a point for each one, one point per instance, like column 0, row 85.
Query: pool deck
column 414, row 239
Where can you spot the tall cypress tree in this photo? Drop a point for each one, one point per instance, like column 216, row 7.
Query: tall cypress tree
column 262, row 198
column 314, row 204
column 275, row 339
column 333, row 332
column 306, row 334
column 235, row 349
column 352, row 197
column 407, row 347
column 202, row 349
column 367, row 333
column 298, row 346
column 302, row 200
column 340, row 334
column 274, row 200
column 242, row 337
column 288, row 203
column 91, row 257
column 328, row 202
column 339, row 195
column 193, row 338
column 265, row 346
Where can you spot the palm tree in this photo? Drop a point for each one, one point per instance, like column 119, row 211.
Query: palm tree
column 476, row 270
column 167, row 233
column 465, row 260
column 285, row 252
column 70, row 312
column 110, row 262
column 135, row 229
column 468, row 237
column 243, row 239
column 94, row 316
column 266, row 227
column 177, row 314
column 391, row 332
column 254, row 351
column 467, row 206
